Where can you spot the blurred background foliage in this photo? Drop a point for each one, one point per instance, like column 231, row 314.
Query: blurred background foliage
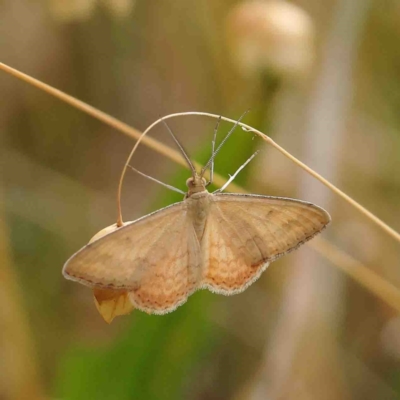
column 322, row 78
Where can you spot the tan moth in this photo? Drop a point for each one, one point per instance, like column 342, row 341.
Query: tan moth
column 217, row 241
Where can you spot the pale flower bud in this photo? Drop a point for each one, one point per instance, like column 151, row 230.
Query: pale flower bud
column 273, row 35
column 71, row 10
column 119, row 8
column 111, row 303
column 78, row 10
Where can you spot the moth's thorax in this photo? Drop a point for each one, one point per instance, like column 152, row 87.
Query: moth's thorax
column 195, row 184
column 198, row 206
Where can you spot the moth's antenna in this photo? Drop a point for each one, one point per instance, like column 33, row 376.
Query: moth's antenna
column 212, row 151
column 156, row 180
column 203, row 170
column 236, row 173
column 191, row 166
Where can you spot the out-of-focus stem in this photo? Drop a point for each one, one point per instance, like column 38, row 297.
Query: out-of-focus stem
column 19, row 378
column 366, row 277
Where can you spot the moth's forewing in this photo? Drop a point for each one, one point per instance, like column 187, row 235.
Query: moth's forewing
column 247, row 232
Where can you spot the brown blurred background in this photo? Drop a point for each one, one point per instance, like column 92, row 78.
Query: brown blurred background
column 321, row 78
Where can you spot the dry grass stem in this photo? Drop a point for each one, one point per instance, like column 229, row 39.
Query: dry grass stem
column 367, row 278
column 175, row 156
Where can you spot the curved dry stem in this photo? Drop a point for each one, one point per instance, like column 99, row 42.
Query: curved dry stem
column 383, row 289
column 191, row 165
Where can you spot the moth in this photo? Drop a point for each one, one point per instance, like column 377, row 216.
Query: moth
column 217, row 241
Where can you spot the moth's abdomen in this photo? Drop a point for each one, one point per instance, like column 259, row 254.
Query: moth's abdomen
column 198, row 207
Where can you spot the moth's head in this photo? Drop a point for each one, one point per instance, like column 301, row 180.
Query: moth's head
column 195, row 184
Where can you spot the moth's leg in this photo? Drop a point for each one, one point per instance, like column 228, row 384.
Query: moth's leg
column 231, row 178
column 157, row 181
